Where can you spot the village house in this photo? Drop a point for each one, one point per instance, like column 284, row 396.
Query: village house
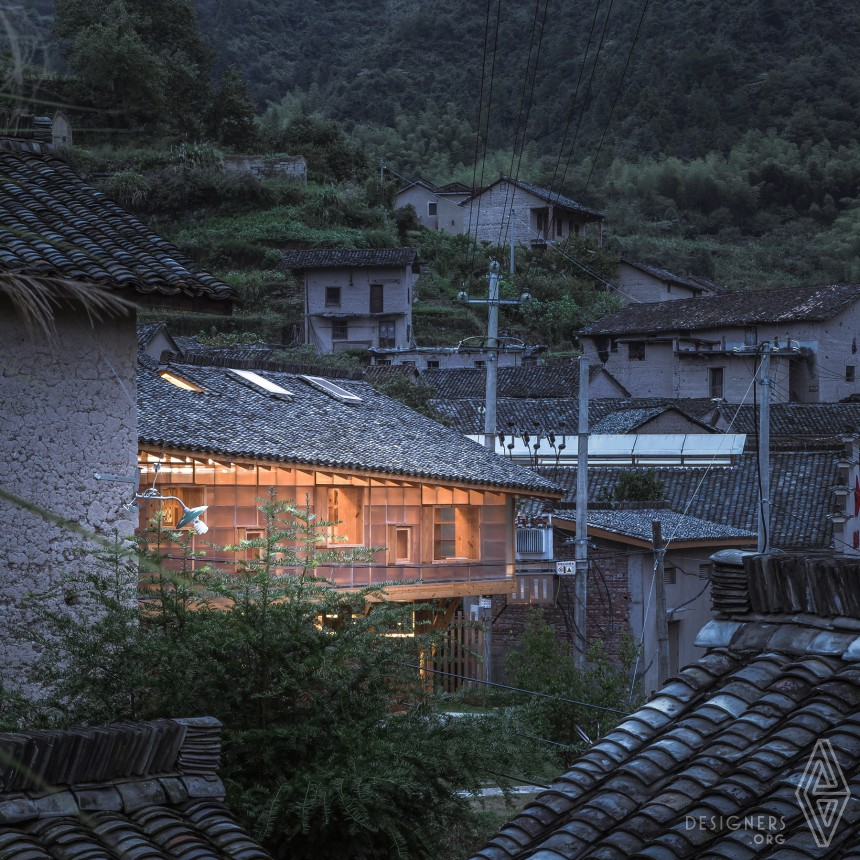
column 642, row 283
column 357, row 299
column 437, row 207
column 536, row 216
column 750, row 752
column 706, row 347
column 73, row 266
column 438, row 509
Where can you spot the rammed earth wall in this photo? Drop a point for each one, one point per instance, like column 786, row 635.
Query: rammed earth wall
column 67, row 411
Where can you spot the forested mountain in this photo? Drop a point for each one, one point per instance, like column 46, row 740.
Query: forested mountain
column 702, row 72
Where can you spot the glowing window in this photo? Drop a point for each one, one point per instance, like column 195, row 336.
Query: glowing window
column 179, row 382
column 346, row 512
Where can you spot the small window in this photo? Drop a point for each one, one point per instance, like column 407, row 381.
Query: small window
column 558, row 227
column 376, row 298
column 613, row 345
column 382, row 362
column 346, row 513
column 705, row 570
column 432, row 208
column 636, row 350
column 479, row 363
column 252, row 553
column 715, row 378
column 670, row 574
column 432, row 364
column 401, row 545
column 332, row 297
column 849, row 373
column 340, row 331
column 750, row 337
column 455, row 533
column 387, row 334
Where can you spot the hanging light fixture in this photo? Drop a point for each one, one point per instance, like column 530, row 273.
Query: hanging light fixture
column 190, row 516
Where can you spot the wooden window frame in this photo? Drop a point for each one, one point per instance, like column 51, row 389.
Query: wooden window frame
column 463, row 522
column 346, row 505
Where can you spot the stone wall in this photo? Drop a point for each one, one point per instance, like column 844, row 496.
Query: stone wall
column 67, row 411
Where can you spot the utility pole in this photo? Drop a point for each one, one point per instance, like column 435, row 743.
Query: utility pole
column 491, row 346
column 492, row 356
column 382, row 171
column 764, row 351
column 513, row 223
column 580, row 611
column 662, row 617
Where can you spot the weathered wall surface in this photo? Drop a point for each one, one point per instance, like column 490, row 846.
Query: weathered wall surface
column 66, row 411
column 821, row 375
column 354, row 307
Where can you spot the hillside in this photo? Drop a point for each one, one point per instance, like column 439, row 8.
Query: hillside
column 702, row 73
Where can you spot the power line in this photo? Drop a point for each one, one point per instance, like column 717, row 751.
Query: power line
column 518, row 689
column 617, row 94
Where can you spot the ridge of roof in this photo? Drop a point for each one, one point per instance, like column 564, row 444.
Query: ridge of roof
column 731, row 309
column 544, row 193
column 692, row 281
column 317, row 258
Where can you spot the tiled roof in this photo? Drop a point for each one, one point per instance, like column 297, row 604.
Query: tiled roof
column 131, row 790
column 550, row 380
column 545, row 194
column 801, row 483
column 690, row 281
column 810, row 304
column 325, row 258
column 378, row 435
column 796, row 419
column 637, row 524
column 724, row 761
column 53, row 224
column 557, row 414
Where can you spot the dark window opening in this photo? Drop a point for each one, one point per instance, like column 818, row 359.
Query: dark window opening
column 716, row 381
column 431, row 209
column 340, row 331
column 636, row 350
column 432, row 364
column 376, row 298
column 332, row 297
column 387, row 335
column 849, row 373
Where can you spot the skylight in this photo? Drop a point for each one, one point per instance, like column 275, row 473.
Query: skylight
column 254, row 380
column 332, row 390
column 179, row 381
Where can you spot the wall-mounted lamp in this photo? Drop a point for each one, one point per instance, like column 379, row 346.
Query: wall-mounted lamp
column 190, row 516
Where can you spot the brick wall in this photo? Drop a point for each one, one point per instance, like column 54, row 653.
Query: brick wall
column 608, row 603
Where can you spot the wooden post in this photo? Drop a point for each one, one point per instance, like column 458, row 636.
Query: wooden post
column 662, row 617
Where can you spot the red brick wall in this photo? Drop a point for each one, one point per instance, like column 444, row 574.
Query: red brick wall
column 608, row 602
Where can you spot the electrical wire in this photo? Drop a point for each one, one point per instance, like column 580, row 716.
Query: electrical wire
column 518, row 689
column 617, row 94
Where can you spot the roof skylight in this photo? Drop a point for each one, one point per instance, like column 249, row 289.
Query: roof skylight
column 332, row 390
column 179, row 382
column 254, row 380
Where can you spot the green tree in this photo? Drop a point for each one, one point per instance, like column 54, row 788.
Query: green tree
column 142, row 61
column 330, row 749
column 230, row 119
column 633, row 486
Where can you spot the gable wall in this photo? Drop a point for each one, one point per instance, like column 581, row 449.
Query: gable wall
column 638, row 286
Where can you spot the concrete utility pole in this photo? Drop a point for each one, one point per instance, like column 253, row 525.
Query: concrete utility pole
column 491, row 346
column 764, row 351
column 662, row 617
column 513, row 223
column 580, row 611
column 492, row 356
